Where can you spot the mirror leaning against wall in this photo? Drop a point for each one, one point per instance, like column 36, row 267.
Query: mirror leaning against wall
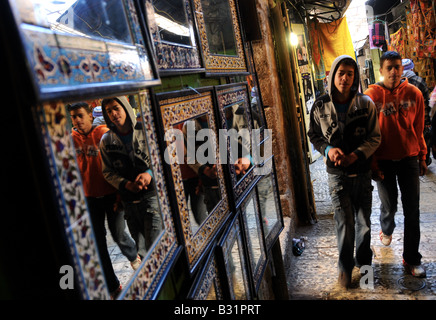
column 102, row 146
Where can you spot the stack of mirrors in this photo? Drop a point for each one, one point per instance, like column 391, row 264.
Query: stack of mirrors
column 207, row 148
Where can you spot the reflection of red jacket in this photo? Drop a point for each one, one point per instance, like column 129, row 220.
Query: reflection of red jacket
column 89, row 161
column 401, row 119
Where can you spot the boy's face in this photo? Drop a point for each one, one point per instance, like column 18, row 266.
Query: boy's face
column 344, row 79
column 116, row 114
column 391, row 70
column 82, row 120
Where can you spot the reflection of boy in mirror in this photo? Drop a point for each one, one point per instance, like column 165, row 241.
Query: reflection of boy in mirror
column 192, row 185
column 126, row 166
column 206, row 171
column 100, row 195
column 236, row 118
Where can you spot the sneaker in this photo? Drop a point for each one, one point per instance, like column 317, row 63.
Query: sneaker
column 386, row 240
column 416, row 271
column 136, row 263
column 344, row 279
column 115, row 293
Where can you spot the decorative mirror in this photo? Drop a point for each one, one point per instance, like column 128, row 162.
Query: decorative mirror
column 78, row 48
column 255, row 241
column 93, row 168
column 192, row 153
column 220, row 36
column 236, row 119
column 257, row 113
column 172, row 29
column 269, row 205
column 207, row 284
column 231, row 252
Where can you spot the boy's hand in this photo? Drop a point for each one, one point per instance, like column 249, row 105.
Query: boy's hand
column 141, row 183
column 335, row 154
column 143, row 180
column 242, row 165
column 211, row 172
column 346, row 160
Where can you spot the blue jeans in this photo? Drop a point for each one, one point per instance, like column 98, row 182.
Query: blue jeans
column 352, row 199
column 144, row 221
column 406, row 172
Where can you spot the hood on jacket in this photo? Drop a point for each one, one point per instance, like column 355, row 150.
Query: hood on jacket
column 130, row 114
column 333, row 69
column 380, row 86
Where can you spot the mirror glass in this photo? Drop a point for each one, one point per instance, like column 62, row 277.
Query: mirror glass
column 198, row 171
column 119, row 182
column 104, row 19
column 254, row 233
column 234, row 265
column 192, row 110
column 267, row 204
column 219, row 27
column 169, row 17
column 236, row 117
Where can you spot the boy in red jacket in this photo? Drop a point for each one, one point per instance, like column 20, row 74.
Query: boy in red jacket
column 100, row 195
column 401, row 155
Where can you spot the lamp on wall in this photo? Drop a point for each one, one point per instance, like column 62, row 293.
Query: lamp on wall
column 294, row 39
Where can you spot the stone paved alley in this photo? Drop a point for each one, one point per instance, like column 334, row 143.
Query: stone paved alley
column 313, row 275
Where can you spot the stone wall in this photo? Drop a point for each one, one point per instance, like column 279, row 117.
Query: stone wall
column 266, row 67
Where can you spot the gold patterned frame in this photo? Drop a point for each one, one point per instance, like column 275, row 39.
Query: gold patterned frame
column 176, row 107
column 60, row 152
column 221, row 64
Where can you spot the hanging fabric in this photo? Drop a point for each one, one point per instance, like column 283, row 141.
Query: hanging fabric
column 397, row 42
column 378, row 34
column 424, row 28
column 336, row 40
column 316, row 49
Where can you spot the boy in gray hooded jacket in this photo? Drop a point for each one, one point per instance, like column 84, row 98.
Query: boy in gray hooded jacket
column 344, row 128
column 126, row 165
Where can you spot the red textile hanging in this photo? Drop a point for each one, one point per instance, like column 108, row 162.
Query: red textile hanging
column 424, row 28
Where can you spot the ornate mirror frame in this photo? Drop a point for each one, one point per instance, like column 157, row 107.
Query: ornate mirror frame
column 174, row 108
column 173, row 57
column 68, row 192
column 216, row 64
column 66, row 65
column 207, row 281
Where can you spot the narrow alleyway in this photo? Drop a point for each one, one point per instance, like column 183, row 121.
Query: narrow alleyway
column 313, row 275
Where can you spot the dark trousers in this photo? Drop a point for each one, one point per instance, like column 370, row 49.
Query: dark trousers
column 405, row 172
column 97, row 209
column 352, row 202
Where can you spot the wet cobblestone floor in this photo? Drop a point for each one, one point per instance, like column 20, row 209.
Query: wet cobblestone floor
column 313, row 275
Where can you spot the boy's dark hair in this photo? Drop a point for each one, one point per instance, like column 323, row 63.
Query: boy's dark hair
column 105, row 101
column 389, row 55
column 79, row 105
column 347, row 62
